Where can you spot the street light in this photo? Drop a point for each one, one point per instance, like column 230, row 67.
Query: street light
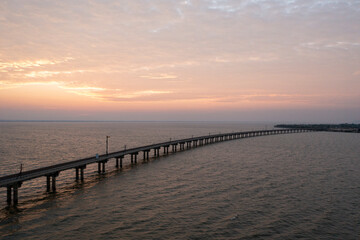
column 107, row 145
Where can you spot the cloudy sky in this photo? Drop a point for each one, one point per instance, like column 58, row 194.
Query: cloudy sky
column 240, row 60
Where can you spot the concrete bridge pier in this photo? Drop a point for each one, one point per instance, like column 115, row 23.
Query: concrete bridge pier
column 51, row 182
column 146, row 155
column 182, row 147
column 101, row 166
column 174, row 147
column 166, row 149
column 12, row 193
column 156, row 152
column 134, row 157
column 81, row 170
column 119, row 162
column 9, row 191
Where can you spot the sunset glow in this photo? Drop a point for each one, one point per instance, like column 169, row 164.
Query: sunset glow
column 180, row 60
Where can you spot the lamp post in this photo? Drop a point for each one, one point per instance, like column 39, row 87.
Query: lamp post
column 107, row 145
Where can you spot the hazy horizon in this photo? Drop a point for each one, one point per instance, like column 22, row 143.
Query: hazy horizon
column 206, row 60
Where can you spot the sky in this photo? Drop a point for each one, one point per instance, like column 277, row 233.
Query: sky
column 205, row 60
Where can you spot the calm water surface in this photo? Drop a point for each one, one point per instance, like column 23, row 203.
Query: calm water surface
column 304, row 186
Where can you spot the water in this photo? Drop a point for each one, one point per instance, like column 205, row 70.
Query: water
column 304, row 185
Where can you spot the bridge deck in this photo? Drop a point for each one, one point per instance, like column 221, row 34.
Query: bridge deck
column 14, row 180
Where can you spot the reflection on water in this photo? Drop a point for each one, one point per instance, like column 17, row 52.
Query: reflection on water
column 284, row 187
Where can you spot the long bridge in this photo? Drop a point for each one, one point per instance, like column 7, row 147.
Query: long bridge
column 14, row 181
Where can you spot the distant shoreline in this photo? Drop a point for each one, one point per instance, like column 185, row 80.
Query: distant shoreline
column 144, row 121
column 344, row 127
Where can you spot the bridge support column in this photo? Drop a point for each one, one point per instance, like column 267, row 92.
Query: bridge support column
column 134, row 157
column 77, row 173
column 119, row 162
column 15, row 189
column 8, row 199
column 146, row 155
column 103, row 167
column 82, row 172
column 48, row 183
column 12, row 193
column 51, row 185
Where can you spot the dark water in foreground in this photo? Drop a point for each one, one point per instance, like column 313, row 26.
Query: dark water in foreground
column 295, row 186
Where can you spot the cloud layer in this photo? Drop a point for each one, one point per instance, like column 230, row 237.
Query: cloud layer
column 202, row 54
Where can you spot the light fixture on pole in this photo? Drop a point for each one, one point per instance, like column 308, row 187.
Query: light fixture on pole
column 107, row 145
